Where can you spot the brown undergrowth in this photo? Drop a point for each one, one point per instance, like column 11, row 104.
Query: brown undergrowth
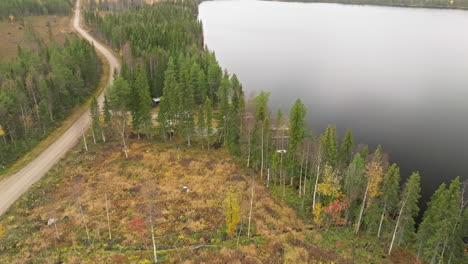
column 189, row 226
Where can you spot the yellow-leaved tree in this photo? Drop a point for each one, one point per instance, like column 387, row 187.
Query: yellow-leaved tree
column 2, row 230
column 317, row 213
column 231, row 210
column 330, row 185
column 374, row 175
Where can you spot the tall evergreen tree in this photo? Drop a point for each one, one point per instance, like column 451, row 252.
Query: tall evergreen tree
column 234, row 118
column 436, row 230
column 95, row 114
column 346, row 149
column 389, row 197
column 354, row 185
column 140, row 100
column 329, row 145
column 407, row 211
column 223, row 96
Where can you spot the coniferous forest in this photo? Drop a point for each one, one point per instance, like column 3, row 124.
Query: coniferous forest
column 22, row 8
column 330, row 181
column 39, row 88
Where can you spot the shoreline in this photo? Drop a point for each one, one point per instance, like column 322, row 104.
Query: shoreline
column 374, row 4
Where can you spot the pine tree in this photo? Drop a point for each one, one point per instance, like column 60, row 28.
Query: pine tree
column 346, row 149
column 408, row 210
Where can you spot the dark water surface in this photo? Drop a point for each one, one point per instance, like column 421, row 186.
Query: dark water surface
column 395, row 76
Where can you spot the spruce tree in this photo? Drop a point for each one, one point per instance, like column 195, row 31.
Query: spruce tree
column 170, row 92
column 389, row 198
column 223, row 95
column 234, row 119
column 329, row 145
column 354, row 185
column 407, row 210
column 140, row 100
column 346, row 149
column 297, row 130
column 436, row 231
column 188, row 108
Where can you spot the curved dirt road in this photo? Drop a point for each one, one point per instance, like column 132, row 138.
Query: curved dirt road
column 13, row 187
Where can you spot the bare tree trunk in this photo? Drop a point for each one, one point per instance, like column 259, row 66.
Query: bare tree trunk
column 94, row 136
column 358, row 225
column 282, row 174
column 153, row 239
column 306, row 171
column 56, row 230
column 397, row 224
column 261, row 167
column 122, row 133
column 248, row 155
column 268, row 178
column 316, row 182
column 300, row 175
column 108, row 217
column 381, row 220
column 103, row 136
column 84, row 223
column 251, row 206
column 84, row 140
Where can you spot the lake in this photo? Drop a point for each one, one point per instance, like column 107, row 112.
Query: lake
column 395, row 76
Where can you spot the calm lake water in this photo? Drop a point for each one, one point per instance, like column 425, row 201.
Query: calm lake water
column 395, row 76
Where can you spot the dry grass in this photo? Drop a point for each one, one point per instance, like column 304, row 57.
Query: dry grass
column 188, row 226
column 14, row 34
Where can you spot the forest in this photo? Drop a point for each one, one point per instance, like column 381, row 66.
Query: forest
column 409, row 3
column 40, row 88
column 22, row 8
column 332, row 182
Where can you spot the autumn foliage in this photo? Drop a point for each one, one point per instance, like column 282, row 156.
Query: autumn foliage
column 335, row 210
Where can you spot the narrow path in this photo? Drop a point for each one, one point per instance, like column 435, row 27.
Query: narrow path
column 13, row 187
